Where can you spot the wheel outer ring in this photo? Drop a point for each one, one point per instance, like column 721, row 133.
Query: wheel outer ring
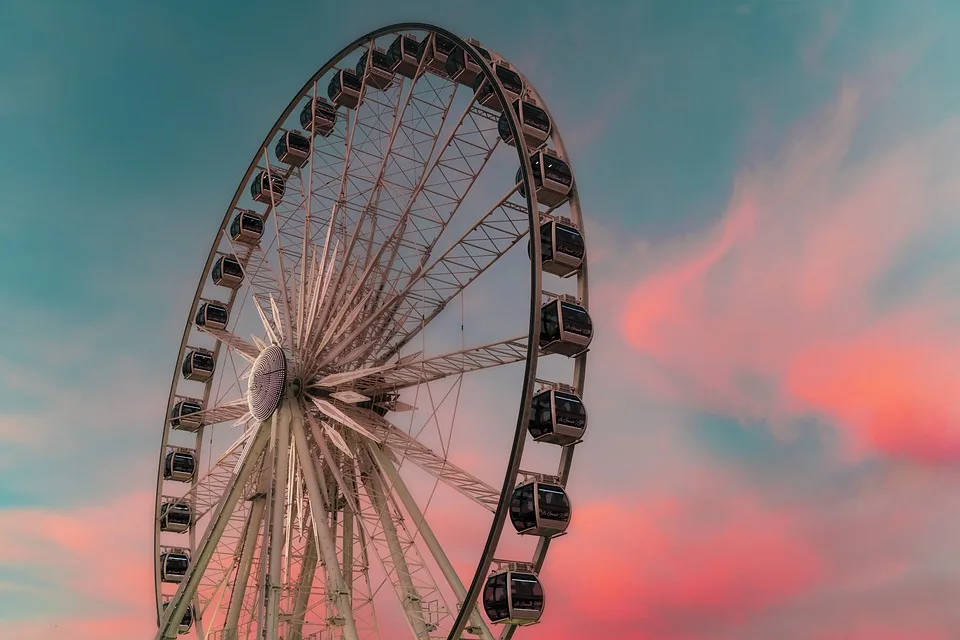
column 529, row 379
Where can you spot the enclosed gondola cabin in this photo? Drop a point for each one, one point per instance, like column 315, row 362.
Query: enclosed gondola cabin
column 179, row 466
column 186, row 415
column 557, row 417
column 462, row 68
column 561, row 248
column 534, row 124
column 198, row 365
column 186, row 621
column 344, row 89
column 551, row 176
column 293, row 148
column 175, row 517
column 540, row 509
column 267, row 188
column 318, row 117
column 565, row 328
column 404, row 55
column 378, row 66
column 246, row 228
column 513, row 597
column 438, row 49
column 510, row 80
column 227, row 272
column 212, row 316
column 173, row 565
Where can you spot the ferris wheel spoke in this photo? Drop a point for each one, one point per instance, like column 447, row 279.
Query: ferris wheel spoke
column 284, row 275
column 449, row 174
column 407, row 447
column 421, row 136
column 439, row 190
column 231, row 410
column 442, row 182
column 394, row 483
column 406, row 161
column 307, row 232
column 266, row 286
column 220, row 519
column 411, row 142
column 365, row 119
column 246, row 350
column 425, row 370
column 489, row 239
column 408, row 312
column 375, row 157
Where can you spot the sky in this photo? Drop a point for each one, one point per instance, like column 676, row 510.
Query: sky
column 772, row 214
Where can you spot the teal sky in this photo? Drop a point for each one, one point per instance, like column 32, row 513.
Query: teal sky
column 125, row 126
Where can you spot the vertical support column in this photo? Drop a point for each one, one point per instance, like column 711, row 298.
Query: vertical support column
column 281, row 444
column 230, row 629
column 430, row 540
column 348, row 533
column 325, row 540
column 304, row 588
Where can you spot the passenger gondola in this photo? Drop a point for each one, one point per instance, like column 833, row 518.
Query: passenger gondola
column 404, row 55
column 198, row 365
column 552, row 177
column 513, row 597
column 462, row 68
column 246, row 228
column 174, row 564
column 344, row 89
column 540, row 509
column 318, row 116
column 212, row 316
column 438, row 50
column 267, row 188
column 175, row 517
column 380, row 70
column 565, row 328
column 534, row 124
column 227, row 272
column 186, row 621
column 561, row 247
column 510, row 80
column 557, row 417
column 186, row 415
column 179, row 465
column 293, row 148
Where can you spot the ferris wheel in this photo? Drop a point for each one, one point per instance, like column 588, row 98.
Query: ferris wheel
column 296, row 466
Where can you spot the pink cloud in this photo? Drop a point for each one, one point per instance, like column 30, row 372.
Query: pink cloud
column 124, row 626
column 775, row 314
column 95, row 558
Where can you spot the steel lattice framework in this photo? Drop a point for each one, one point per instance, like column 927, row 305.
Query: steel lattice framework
column 356, row 229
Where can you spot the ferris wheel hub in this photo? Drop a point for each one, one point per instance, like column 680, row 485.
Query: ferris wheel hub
column 267, row 382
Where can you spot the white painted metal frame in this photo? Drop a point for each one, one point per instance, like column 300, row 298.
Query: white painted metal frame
column 342, row 296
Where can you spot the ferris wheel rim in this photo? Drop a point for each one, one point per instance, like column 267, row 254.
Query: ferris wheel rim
column 535, row 293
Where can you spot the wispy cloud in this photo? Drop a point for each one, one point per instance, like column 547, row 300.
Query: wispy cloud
column 779, row 311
